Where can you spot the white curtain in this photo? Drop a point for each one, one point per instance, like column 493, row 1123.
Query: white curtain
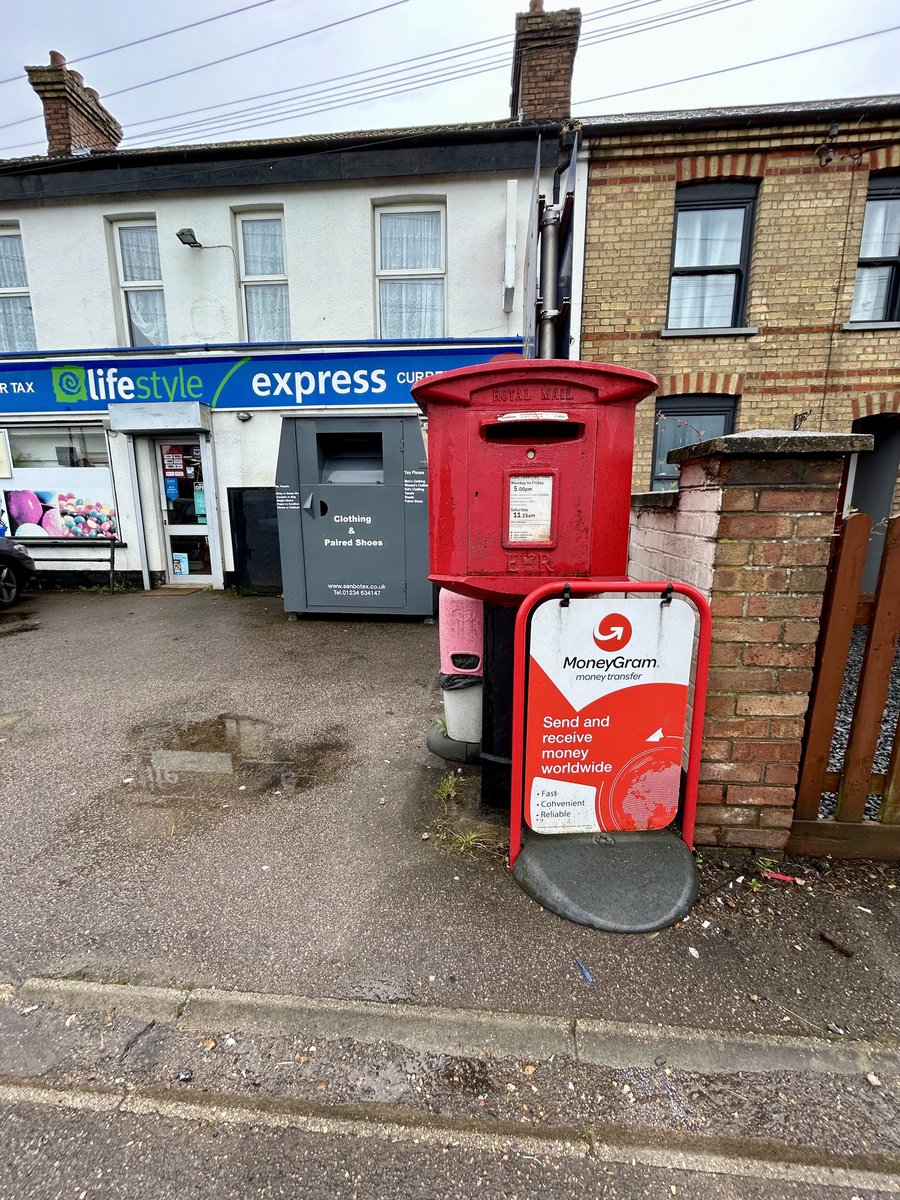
column 263, row 247
column 268, row 319
column 709, row 237
column 881, row 229
column 411, row 241
column 701, row 301
column 870, row 293
column 412, row 308
column 16, row 324
column 12, row 261
column 140, row 253
column 147, row 317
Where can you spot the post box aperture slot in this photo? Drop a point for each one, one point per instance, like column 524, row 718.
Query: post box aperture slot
column 354, row 457
column 535, row 432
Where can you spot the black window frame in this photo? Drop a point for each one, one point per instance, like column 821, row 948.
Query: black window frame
column 881, row 187
column 694, row 197
column 696, row 406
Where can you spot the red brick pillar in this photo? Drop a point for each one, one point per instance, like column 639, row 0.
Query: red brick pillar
column 761, row 506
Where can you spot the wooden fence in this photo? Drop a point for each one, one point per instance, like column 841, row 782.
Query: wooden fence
column 849, row 834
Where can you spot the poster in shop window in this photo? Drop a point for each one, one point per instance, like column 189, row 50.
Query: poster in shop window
column 57, row 502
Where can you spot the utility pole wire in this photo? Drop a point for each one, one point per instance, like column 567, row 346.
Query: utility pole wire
column 368, row 90
column 231, row 57
column 739, row 67
column 152, row 37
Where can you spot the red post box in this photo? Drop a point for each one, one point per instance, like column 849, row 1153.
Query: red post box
column 529, row 473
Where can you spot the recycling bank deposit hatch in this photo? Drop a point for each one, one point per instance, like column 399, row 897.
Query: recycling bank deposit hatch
column 352, row 499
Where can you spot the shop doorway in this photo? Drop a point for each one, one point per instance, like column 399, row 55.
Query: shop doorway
column 186, row 499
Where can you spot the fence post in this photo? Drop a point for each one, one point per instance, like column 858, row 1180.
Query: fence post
column 751, row 526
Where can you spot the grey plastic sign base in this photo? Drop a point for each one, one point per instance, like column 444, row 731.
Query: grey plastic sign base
column 633, row 882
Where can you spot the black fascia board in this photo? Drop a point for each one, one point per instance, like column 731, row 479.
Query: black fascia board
column 207, row 167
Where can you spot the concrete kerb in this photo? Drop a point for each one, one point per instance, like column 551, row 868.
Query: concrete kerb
column 469, row 1032
column 82, row 995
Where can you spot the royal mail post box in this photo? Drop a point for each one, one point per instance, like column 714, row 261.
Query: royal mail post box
column 529, row 473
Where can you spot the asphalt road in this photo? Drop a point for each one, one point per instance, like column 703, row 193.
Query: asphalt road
column 49, row 1152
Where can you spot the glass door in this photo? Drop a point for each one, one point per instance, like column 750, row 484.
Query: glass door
column 183, row 499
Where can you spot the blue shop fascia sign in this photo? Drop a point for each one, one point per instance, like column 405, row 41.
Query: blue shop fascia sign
column 332, row 377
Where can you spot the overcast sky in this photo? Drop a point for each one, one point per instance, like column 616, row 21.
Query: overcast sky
column 614, row 57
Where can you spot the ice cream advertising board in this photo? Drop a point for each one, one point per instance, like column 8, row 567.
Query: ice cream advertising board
column 605, row 711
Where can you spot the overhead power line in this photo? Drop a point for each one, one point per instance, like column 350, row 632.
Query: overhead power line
column 367, row 90
column 594, row 15
column 740, row 66
column 240, row 54
column 622, row 6
column 450, row 52
column 152, row 37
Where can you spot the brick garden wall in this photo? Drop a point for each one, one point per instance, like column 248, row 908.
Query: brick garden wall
column 751, row 527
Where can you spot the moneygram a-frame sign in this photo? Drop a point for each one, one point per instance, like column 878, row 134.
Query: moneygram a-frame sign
column 603, row 678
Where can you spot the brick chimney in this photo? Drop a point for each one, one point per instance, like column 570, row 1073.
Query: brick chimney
column 542, row 63
column 74, row 117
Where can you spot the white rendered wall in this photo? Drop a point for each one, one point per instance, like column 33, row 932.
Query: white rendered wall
column 329, row 233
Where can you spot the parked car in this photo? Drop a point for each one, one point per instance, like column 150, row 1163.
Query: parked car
column 16, row 571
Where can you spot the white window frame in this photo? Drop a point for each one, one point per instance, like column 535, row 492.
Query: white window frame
column 422, row 273
column 135, row 285
column 263, row 214
column 14, row 230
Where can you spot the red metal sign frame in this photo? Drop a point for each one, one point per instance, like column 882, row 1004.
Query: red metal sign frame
column 599, row 587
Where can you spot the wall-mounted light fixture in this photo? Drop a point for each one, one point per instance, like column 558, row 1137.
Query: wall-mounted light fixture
column 187, row 237
column 244, row 416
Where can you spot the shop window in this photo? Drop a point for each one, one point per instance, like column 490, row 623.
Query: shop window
column 410, row 272
column 264, row 285
column 681, row 421
column 711, row 255
column 58, row 484
column 876, row 294
column 16, row 322
column 140, row 283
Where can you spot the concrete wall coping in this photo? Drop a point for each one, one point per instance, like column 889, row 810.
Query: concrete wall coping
column 763, row 443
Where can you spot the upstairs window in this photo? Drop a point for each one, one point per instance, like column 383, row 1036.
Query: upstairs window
column 410, row 272
column 876, row 295
column 711, row 255
column 140, row 283
column 16, row 322
column 264, row 284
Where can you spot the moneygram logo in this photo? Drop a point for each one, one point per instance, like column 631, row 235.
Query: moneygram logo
column 69, row 384
column 613, row 632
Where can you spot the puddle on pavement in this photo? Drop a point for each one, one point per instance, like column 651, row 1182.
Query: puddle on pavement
column 400, row 1069
column 187, row 779
column 16, row 620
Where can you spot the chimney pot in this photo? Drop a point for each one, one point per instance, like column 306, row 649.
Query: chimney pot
column 74, row 118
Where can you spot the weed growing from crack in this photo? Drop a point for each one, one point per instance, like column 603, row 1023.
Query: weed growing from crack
column 459, row 833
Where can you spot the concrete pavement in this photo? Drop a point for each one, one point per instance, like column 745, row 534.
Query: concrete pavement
column 290, row 858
